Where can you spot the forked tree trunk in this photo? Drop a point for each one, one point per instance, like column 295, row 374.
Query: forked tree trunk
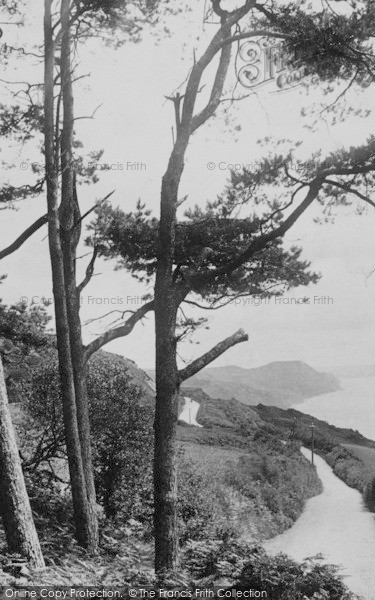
column 70, row 235
column 15, row 509
column 73, row 446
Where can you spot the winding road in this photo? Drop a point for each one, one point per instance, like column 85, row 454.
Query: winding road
column 189, row 412
column 334, row 524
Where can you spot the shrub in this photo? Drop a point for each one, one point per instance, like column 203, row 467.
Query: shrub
column 201, row 506
column 122, row 438
column 277, row 478
column 369, row 495
column 285, row 579
column 246, row 566
column 121, row 429
column 347, row 467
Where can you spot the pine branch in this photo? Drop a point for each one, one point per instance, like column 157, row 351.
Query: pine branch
column 89, row 271
column 260, row 242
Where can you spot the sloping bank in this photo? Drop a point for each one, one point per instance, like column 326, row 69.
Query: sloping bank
column 255, row 482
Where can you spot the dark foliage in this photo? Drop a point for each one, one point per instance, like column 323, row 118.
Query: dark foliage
column 332, row 43
column 205, row 239
column 246, row 566
column 121, row 433
column 122, row 440
column 26, row 326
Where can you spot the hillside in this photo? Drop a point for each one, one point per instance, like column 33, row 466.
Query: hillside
column 139, row 376
column 241, row 476
column 281, row 384
column 298, row 424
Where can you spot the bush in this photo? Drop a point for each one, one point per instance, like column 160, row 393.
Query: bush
column 122, row 439
column 121, row 429
column 285, row 579
column 246, row 566
column 348, row 467
column 201, row 506
column 369, row 495
column 278, row 479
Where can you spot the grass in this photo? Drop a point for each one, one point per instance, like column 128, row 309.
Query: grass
column 366, row 456
column 261, row 488
column 211, row 460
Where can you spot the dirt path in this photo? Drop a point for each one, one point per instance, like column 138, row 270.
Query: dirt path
column 335, row 524
column 189, row 412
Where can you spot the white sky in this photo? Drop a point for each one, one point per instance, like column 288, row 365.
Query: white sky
column 134, row 125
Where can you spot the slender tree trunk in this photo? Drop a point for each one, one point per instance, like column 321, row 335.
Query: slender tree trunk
column 15, row 509
column 77, row 479
column 167, row 387
column 82, row 403
column 70, row 235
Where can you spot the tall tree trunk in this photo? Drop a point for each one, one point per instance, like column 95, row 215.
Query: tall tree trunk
column 70, row 235
column 15, row 509
column 165, row 454
column 77, row 478
column 82, row 404
column 167, row 388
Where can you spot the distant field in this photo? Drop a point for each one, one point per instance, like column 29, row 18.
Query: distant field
column 366, row 455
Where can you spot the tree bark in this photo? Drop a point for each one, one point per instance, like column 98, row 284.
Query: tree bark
column 168, row 297
column 167, row 384
column 70, row 235
column 166, row 305
column 15, row 509
column 77, row 478
column 165, row 429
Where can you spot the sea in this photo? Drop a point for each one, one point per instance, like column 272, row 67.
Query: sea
column 352, row 407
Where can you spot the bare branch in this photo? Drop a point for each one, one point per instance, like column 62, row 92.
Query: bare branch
column 347, row 188
column 23, row 237
column 207, row 358
column 257, row 33
column 177, row 99
column 89, row 271
column 200, row 66
column 86, row 214
column 92, row 116
column 216, row 92
column 121, row 331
